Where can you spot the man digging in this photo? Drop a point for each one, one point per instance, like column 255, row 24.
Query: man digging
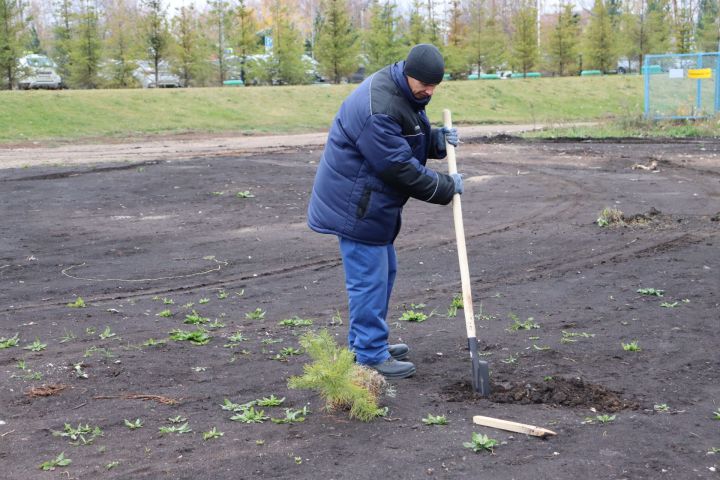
column 373, row 161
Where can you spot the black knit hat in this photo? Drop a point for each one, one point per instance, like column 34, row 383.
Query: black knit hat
column 425, row 63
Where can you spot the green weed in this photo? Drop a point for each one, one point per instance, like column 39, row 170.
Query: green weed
column 455, row 304
column 195, row 318
column 669, row 304
column 292, row 416
column 257, row 314
column 59, row 461
column 222, row 294
column 651, row 291
column 203, row 301
column 134, row 425
column 528, row 324
column 605, row 418
column 179, row 429
column 435, row 420
column 716, row 414
column 151, row 342
column 413, row 316
column 9, row 342
column 165, row 313
column 609, row 217
column 295, row 322
column 78, row 303
column 631, row 347
column 250, row 415
column 212, row 433
column 168, row 301
column 271, row 401
column 81, row 435
column 107, row 333
column 662, row 407
column 36, row 346
column 196, row 337
column 480, row 443
column 67, row 336
column 244, row 194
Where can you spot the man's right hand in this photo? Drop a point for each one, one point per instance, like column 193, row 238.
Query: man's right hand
column 457, row 178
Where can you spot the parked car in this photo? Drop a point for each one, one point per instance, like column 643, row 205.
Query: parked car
column 145, row 74
column 38, row 71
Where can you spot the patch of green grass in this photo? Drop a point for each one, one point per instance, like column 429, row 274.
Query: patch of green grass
column 151, row 342
column 165, row 313
column 629, row 125
column 481, row 443
column 72, row 114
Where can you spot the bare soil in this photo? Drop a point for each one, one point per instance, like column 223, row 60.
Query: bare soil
column 124, row 236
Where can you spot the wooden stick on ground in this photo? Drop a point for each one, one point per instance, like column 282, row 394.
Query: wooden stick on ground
column 512, row 426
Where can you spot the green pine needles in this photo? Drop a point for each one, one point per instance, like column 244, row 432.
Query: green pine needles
column 343, row 384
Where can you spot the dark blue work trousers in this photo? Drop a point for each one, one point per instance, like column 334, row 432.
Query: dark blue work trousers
column 369, row 277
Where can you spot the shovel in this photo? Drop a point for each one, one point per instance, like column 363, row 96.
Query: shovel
column 480, row 369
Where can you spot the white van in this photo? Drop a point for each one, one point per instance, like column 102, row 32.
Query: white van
column 37, row 71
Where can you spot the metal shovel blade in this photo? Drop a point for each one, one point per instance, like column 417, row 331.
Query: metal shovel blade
column 480, row 370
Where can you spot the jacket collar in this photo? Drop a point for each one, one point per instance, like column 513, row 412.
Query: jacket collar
column 396, row 70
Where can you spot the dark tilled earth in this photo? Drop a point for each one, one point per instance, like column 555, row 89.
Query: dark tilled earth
column 125, row 237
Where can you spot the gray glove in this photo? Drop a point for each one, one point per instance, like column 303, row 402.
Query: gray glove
column 451, row 136
column 457, row 178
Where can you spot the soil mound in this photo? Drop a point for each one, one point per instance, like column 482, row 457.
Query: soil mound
column 573, row 392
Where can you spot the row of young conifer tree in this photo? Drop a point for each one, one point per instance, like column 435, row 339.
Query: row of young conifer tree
column 96, row 43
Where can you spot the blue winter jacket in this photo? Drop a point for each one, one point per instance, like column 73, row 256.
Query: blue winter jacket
column 374, row 160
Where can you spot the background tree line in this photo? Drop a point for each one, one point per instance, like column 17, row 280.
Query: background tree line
column 96, row 43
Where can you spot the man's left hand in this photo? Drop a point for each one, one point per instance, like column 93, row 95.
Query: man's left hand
column 451, row 136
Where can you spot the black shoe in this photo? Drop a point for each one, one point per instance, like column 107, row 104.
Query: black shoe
column 399, row 351
column 392, row 368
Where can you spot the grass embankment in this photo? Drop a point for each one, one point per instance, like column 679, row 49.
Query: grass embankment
column 74, row 114
column 634, row 127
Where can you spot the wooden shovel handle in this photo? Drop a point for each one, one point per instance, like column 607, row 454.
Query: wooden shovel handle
column 460, row 237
